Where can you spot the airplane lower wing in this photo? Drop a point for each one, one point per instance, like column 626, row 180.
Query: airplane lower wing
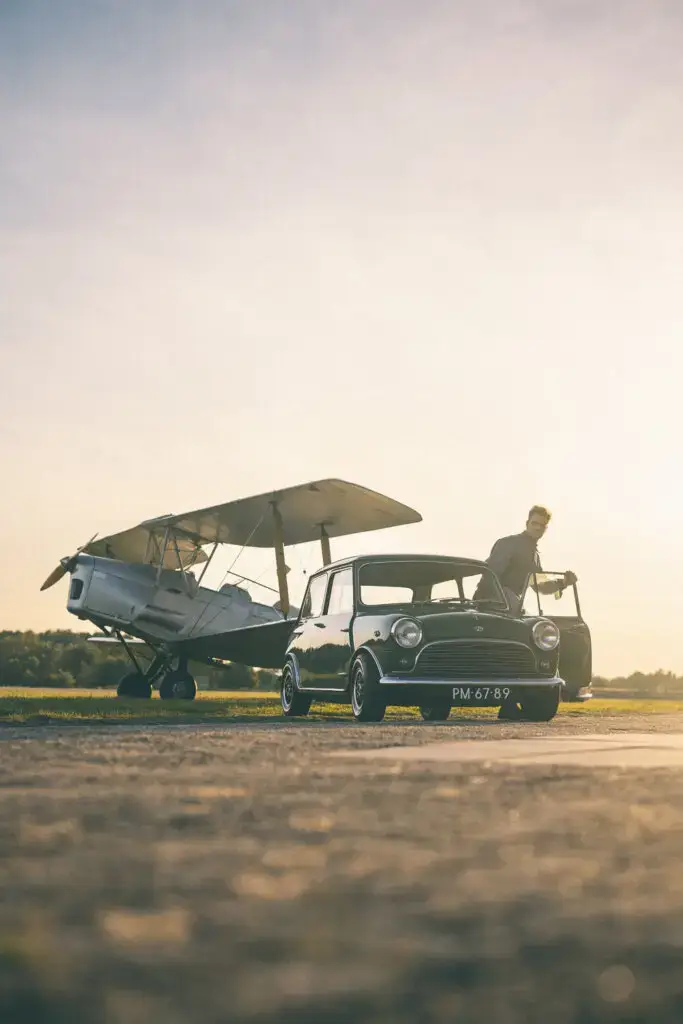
column 98, row 639
column 261, row 646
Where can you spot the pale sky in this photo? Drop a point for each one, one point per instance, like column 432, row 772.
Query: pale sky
column 432, row 248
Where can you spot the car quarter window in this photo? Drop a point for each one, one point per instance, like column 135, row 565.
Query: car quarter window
column 315, row 597
column 340, row 600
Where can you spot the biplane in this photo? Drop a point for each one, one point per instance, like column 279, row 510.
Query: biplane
column 140, row 586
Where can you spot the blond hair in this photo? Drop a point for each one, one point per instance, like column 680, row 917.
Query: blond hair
column 540, row 510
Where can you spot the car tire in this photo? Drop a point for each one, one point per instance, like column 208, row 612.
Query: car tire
column 510, row 711
column 134, row 685
column 367, row 701
column 294, row 704
column 178, row 686
column 540, row 706
column 575, row 693
column 437, row 712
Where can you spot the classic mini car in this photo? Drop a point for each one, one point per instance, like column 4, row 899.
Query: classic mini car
column 418, row 630
column 548, row 595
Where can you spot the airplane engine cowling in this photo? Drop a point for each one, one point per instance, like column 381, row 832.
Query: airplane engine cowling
column 166, row 606
column 106, row 589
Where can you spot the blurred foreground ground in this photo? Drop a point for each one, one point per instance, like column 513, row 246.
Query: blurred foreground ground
column 238, row 872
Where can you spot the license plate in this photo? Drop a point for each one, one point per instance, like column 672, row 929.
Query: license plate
column 481, row 692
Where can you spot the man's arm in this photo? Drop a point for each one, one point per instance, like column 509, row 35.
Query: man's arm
column 553, row 586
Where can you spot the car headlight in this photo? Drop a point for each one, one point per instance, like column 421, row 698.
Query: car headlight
column 546, row 635
column 407, row 632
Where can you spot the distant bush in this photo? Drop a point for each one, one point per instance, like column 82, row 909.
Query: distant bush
column 268, row 680
column 659, row 683
column 229, row 677
column 57, row 659
column 62, row 658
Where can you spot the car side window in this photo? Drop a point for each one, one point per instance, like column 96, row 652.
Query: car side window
column 341, row 593
column 315, row 597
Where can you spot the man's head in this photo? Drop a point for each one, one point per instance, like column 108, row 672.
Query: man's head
column 537, row 521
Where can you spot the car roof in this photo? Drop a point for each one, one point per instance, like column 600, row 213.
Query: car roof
column 399, row 557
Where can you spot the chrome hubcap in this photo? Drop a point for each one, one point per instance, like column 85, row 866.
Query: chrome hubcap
column 357, row 694
column 287, row 690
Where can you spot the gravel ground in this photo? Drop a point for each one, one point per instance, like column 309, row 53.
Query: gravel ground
column 239, row 873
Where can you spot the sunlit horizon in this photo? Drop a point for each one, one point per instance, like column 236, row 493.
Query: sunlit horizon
column 433, row 251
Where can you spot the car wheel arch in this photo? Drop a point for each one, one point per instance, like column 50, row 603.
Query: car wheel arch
column 292, row 660
column 369, row 653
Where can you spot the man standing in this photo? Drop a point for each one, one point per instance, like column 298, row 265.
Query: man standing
column 513, row 559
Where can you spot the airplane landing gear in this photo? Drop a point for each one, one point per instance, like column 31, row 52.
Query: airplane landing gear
column 134, row 684
column 178, row 684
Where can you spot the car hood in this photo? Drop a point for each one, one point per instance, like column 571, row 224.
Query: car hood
column 475, row 624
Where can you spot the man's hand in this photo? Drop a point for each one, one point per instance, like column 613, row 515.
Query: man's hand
column 570, row 579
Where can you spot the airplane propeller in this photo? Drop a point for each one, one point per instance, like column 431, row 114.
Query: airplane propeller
column 65, row 565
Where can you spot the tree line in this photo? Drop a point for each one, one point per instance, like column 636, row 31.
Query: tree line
column 651, row 684
column 63, row 658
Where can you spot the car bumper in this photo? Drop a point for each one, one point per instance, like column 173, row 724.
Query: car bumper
column 546, row 682
column 583, row 694
column 409, row 691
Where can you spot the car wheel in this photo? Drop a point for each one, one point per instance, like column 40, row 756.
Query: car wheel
column 510, row 711
column 367, row 702
column 574, row 693
column 540, row 706
column 294, row 703
column 437, row 712
column 134, row 685
column 178, row 686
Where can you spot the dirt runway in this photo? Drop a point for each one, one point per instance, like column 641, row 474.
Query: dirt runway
column 183, row 874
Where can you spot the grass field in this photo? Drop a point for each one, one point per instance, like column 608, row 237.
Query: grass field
column 40, row 707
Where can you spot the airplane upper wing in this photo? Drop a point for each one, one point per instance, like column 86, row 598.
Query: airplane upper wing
column 307, row 512
column 341, row 507
column 261, row 646
column 144, row 544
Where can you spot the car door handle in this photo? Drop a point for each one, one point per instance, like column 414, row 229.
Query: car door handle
column 347, row 630
column 297, row 632
column 320, row 625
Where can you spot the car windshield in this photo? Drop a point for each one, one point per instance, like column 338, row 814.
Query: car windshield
column 406, row 581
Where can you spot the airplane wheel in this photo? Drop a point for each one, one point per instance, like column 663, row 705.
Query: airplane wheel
column 436, row 712
column 134, row 685
column 178, row 686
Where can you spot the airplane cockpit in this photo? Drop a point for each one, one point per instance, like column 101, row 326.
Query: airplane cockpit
column 234, row 591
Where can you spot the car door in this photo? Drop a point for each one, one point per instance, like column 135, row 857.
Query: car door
column 563, row 608
column 331, row 657
column 307, row 636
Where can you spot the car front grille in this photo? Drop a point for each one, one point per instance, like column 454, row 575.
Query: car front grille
column 476, row 659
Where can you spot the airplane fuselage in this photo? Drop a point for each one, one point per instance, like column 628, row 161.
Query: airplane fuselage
column 166, row 606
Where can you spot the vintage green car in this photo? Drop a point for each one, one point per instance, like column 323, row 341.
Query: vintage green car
column 418, row 630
